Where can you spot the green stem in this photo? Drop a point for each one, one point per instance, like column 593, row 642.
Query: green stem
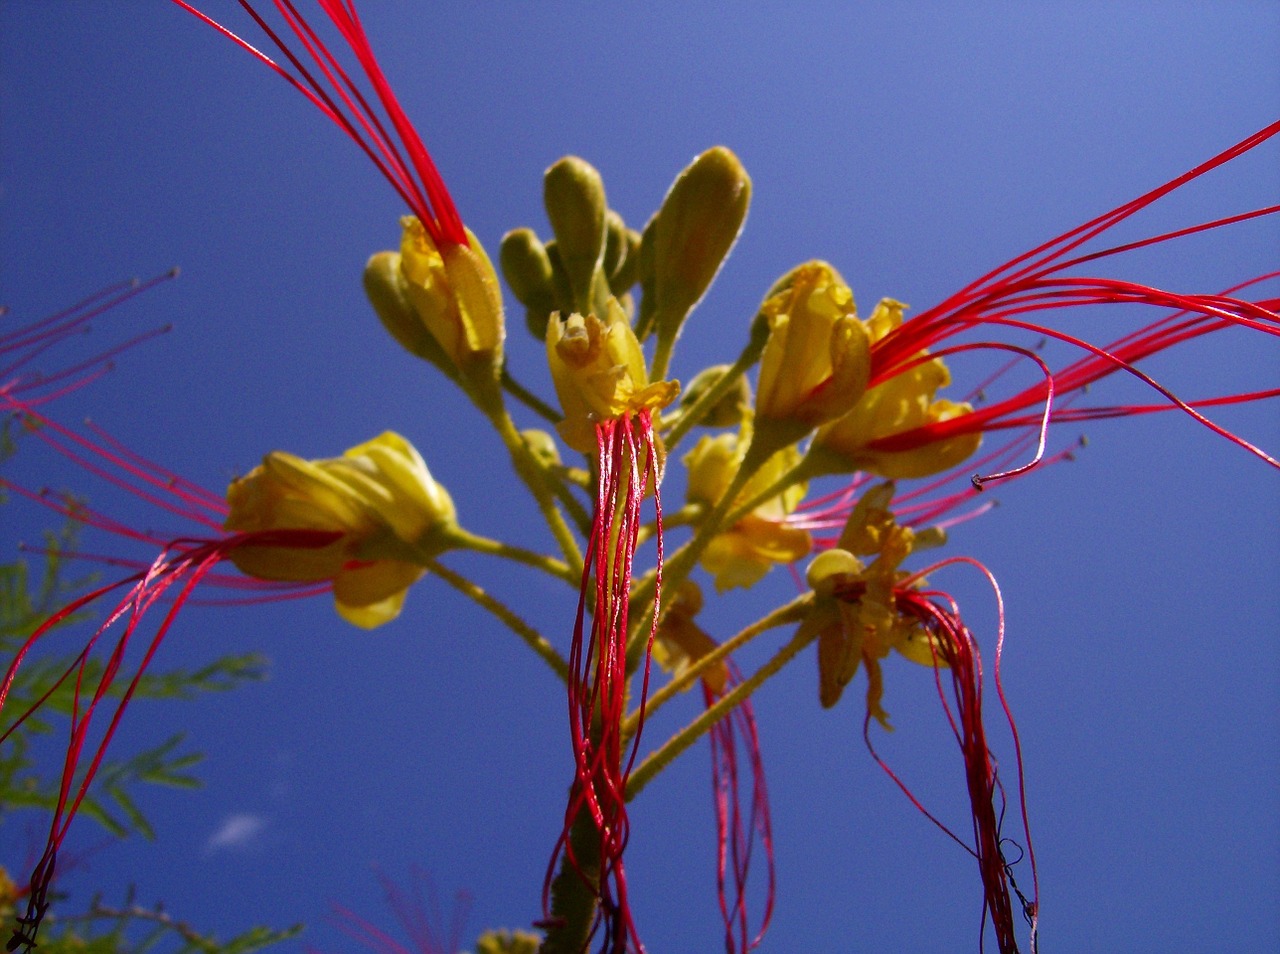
column 681, row 563
column 535, row 478
column 539, row 561
column 661, row 357
column 674, row 746
column 699, row 409
column 532, row 638
column 528, row 398
column 573, row 897
column 792, row 612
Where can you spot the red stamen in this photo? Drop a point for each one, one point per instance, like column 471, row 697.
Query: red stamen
column 417, row 180
column 736, row 836
column 627, row 460
column 957, row 650
column 1035, row 282
column 22, row 346
column 173, row 575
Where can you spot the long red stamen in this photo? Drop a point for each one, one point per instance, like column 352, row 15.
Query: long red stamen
column 735, row 834
column 416, row 179
column 966, row 307
column 172, row 576
column 1034, row 282
column 185, row 563
column 628, row 464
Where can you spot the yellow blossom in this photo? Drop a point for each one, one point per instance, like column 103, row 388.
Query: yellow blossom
column 816, row 363
column 745, row 552
column 599, row 373
column 855, row 607
column 455, row 292
column 379, row 495
column 903, row 403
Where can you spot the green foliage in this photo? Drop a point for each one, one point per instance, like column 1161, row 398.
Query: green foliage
column 131, row 928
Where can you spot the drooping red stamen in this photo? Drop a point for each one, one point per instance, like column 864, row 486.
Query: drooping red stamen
column 628, row 465
column 735, row 834
column 957, row 651
column 185, row 564
column 334, row 93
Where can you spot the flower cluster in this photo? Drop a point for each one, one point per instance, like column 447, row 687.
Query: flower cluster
column 819, row 392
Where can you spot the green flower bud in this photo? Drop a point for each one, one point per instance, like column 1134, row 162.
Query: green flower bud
column 529, row 273
column 576, row 206
column 692, row 234
column 732, row 406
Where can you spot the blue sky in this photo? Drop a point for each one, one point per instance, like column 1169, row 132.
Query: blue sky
column 912, row 148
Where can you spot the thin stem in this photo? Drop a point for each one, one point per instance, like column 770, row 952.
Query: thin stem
column 528, row 398
column 539, row 561
column 535, row 478
column 661, row 357
column 675, row 745
column 532, row 638
column 789, row 613
column 699, row 409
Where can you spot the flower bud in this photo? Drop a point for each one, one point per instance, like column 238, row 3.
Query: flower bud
column 599, row 373
column 731, row 409
column 816, row 363
column 575, row 200
column 379, row 495
column 542, row 446
column 527, row 269
column 455, row 292
column 690, row 237
column 388, row 293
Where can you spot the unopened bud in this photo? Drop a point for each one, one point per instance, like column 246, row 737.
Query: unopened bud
column 729, row 410
column 692, row 234
column 576, row 206
column 527, row 268
column 542, row 446
column 831, row 568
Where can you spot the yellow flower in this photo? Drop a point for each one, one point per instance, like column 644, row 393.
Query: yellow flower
column 901, row 405
column 745, row 552
column 599, row 373
column 455, row 292
column 816, row 363
column 379, row 495
column 855, row 607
